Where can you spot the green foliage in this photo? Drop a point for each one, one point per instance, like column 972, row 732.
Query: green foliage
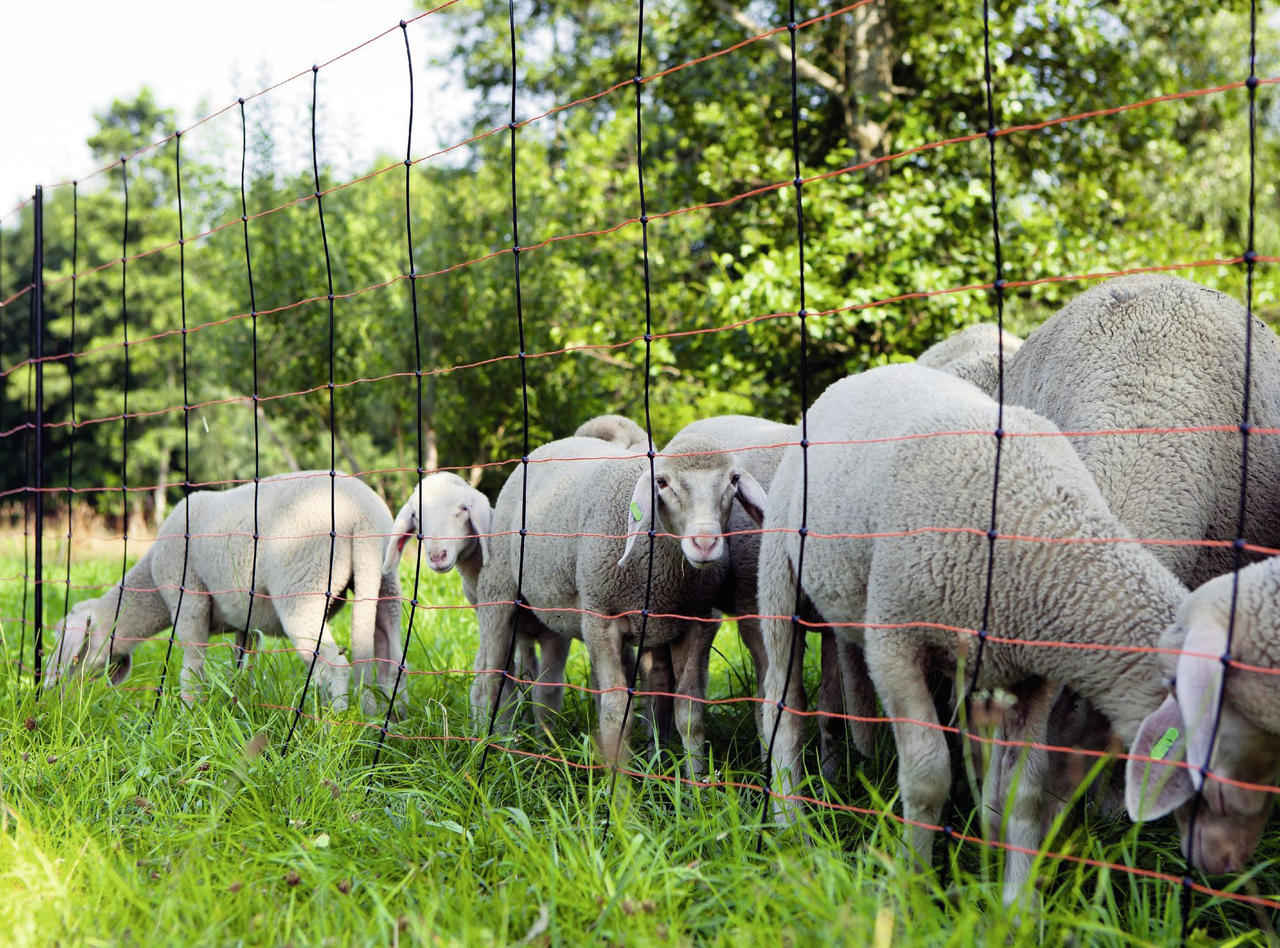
column 1160, row 184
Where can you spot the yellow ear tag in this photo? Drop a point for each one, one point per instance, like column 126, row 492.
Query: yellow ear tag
column 1166, row 742
column 636, row 515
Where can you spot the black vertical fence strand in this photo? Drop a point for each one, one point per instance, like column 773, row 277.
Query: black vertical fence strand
column 243, row 635
column 802, row 314
column 333, row 429
column 519, row 603
column 1250, row 258
column 124, row 418
column 71, row 429
column 637, row 83
column 186, row 426
column 417, row 375
column 37, row 308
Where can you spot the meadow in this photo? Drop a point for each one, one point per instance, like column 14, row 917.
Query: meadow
column 194, row 826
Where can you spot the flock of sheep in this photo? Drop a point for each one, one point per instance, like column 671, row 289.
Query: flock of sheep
column 877, row 529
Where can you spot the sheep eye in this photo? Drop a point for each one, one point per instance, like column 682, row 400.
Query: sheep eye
column 661, row 482
column 735, row 478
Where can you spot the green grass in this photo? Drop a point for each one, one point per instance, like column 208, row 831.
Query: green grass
column 195, row 829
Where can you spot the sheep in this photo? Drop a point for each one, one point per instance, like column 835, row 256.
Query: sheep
column 1228, row 818
column 759, row 443
column 586, row 566
column 1154, row 351
column 973, row 354
column 291, row 575
column 918, row 504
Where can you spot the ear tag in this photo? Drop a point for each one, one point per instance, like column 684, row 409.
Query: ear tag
column 636, row 515
column 1162, row 746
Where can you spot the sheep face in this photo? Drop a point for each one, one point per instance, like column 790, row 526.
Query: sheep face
column 83, row 647
column 695, row 491
column 1229, row 818
column 452, row 518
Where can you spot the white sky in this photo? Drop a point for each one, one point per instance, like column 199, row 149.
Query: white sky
column 62, row 62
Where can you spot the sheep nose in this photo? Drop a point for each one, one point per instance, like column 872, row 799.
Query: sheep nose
column 438, row 557
column 1219, row 848
column 706, row 546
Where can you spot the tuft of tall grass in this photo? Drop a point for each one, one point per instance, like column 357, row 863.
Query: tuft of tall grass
column 193, row 827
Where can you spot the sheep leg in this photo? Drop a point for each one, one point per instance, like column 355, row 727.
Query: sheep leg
column 690, row 656
column 658, row 676
column 830, row 702
column 603, row 639
column 548, row 693
column 490, row 685
column 388, row 642
column 1030, row 724
column 859, row 695
column 301, row 617
column 784, row 730
column 753, row 638
column 924, row 763
column 191, row 629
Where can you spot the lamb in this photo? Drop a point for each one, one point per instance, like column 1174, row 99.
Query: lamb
column 914, row 570
column 586, row 564
column 759, row 443
column 1228, row 818
column 291, row 575
column 973, row 354
column 456, row 520
column 1152, row 351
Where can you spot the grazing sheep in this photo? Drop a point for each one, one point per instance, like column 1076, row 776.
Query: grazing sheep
column 759, row 444
column 1229, row 818
column 587, row 564
column 973, row 354
column 1153, row 351
column 290, row 578
column 898, row 540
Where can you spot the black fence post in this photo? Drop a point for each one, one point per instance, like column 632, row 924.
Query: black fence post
column 37, row 329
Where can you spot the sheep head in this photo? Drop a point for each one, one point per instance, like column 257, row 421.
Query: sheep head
column 84, row 646
column 452, row 518
column 696, row 482
column 1178, row 737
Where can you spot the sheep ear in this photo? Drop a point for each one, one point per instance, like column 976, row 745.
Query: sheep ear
column 639, row 513
column 481, row 522
column 752, row 497
column 404, row 530
column 1199, row 687
column 1153, row 789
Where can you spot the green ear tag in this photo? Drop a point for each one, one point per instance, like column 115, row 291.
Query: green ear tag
column 1162, row 746
column 636, row 515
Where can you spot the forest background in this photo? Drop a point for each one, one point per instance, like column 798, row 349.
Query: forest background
column 1162, row 184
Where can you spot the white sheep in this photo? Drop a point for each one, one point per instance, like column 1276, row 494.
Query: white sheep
column 844, row 687
column 898, row 540
column 1153, row 351
column 291, row 575
column 1230, row 818
column 454, row 520
column 973, row 354
column 586, row 566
